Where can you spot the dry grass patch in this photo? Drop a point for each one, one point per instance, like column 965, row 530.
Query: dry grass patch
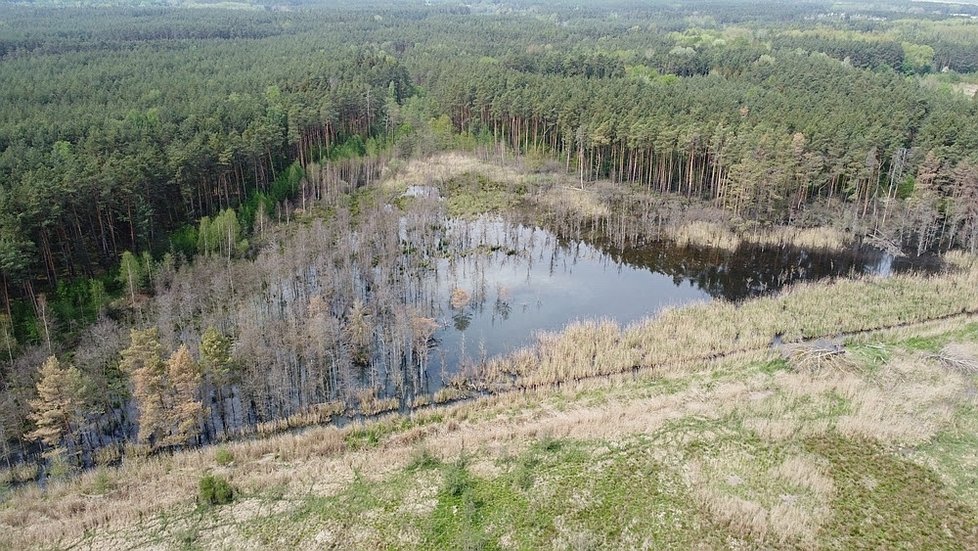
column 441, row 168
column 961, row 357
column 563, row 200
column 908, row 402
column 785, row 503
column 705, row 234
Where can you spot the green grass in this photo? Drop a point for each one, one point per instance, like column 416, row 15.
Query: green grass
column 372, row 434
column 470, row 195
column 885, row 502
column 578, row 493
column 223, row 456
column 953, row 454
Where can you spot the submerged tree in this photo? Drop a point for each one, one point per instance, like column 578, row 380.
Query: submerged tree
column 217, row 366
column 215, row 356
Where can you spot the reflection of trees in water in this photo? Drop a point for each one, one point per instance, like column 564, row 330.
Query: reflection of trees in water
column 461, row 320
column 477, row 250
column 750, row 270
column 502, row 309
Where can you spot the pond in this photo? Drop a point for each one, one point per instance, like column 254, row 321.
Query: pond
column 506, row 281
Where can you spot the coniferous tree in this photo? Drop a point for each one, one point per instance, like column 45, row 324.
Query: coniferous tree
column 218, row 367
column 185, row 410
column 58, row 408
column 144, row 364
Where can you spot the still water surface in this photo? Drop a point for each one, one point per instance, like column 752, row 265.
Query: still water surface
column 521, row 279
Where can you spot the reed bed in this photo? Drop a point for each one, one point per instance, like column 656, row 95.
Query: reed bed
column 573, row 201
column 703, row 233
column 823, row 237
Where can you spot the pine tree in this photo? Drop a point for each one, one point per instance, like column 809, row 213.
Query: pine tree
column 215, row 356
column 144, row 363
column 58, row 408
column 217, row 365
column 186, row 410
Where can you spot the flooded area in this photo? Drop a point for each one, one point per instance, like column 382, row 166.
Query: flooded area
column 506, row 281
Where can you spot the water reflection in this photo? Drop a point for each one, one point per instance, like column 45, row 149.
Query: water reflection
column 754, row 270
column 519, row 279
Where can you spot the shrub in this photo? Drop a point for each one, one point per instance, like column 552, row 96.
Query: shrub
column 102, row 483
column 423, row 459
column 60, row 467
column 458, row 481
column 223, row 457
column 109, row 455
column 215, row 490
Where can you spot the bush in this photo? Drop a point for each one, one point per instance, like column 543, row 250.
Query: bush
column 215, row 490
column 60, row 467
column 102, row 483
column 223, row 457
column 458, row 481
column 423, row 459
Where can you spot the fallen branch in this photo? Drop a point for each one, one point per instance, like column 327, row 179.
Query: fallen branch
column 817, row 356
column 958, row 357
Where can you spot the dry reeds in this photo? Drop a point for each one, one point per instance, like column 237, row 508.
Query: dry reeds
column 310, row 416
column 807, row 238
column 574, row 201
column 706, row 234
column 819, row 355
column 717, row 235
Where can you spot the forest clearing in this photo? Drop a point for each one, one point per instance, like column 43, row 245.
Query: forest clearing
column 796, row 382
